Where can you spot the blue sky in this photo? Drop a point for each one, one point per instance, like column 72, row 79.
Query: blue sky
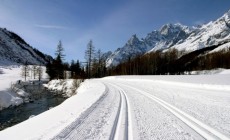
column 109, row 23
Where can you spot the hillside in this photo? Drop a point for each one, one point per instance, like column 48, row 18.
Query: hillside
column 178, row 36
column 13, row 49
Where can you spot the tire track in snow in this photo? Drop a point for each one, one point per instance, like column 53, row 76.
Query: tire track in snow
column 204, row 130
column 122, row 128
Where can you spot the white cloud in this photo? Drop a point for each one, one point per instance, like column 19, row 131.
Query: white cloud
column 50, row 26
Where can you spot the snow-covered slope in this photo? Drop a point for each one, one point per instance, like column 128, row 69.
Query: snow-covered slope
column 132, row 48
column 13, row 49
column 180, row 37
column 167, row 36
column 213, row 33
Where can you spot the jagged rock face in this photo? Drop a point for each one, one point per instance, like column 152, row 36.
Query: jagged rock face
column 166, row 37
column 175, row 36
column 214, row 33
column 132, row 48
column 13, row 49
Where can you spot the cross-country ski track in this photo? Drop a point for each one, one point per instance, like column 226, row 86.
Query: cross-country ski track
column 118, row 95
column 131, row 108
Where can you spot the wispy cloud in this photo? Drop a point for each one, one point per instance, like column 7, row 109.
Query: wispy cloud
column 50, row 26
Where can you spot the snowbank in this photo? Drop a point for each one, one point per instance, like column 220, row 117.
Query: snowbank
column 211, row 77
column 8, row 98
column 215, row 80
column 66, row 87
column 49, row 123
column 210, row 72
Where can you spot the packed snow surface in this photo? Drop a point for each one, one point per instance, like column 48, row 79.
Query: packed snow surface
column 137, row 107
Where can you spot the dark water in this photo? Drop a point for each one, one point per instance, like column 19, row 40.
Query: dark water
column 40, row 100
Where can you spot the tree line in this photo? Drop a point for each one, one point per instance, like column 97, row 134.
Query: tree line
column 94, row 66
column 154, row 63
column 174, row 62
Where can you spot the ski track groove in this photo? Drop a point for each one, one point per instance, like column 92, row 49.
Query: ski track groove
column 122, row 128
column 75, row 124
column 122, row 124
column 204, row 130
column 79, row 137
column 117, row 119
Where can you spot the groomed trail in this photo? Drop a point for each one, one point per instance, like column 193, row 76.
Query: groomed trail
column 133, row 110
column 138, row 107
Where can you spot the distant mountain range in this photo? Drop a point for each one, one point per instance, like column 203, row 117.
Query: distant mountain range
column 14, row 50
column 178, row 36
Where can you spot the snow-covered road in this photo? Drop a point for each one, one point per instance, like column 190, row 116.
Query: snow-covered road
column 140, row 107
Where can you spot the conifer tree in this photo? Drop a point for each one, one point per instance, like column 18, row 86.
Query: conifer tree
column 55, row 69
column 89, row 55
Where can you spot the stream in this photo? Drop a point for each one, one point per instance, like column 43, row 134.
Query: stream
column 40, row 100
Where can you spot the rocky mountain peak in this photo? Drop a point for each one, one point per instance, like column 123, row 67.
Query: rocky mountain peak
column 176, row 36
column 133, row 40
column 171, row 29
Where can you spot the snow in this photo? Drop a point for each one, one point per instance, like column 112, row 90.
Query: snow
column 66, row 86
column 220, row 48
column 162, row 39
column 210, row 72
column 7, row 97
column 14, row 50
column 137, row 107
column 180, row 37
column 11, row 74
column 212, row 33
column 49, row 123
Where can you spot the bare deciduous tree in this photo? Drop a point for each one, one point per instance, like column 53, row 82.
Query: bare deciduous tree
column 25, row 70
column 39, row 72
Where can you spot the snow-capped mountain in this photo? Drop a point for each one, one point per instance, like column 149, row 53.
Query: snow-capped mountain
column 167, row 36
column 213, row 33
column 13, row 49
column 131, row 49
column 178, row 36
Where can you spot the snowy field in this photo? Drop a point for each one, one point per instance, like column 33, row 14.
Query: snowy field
column 137, row 107
column 10, row 74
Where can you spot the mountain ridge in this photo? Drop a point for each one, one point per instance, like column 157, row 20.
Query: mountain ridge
column 175, row 36
column 15, row 50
